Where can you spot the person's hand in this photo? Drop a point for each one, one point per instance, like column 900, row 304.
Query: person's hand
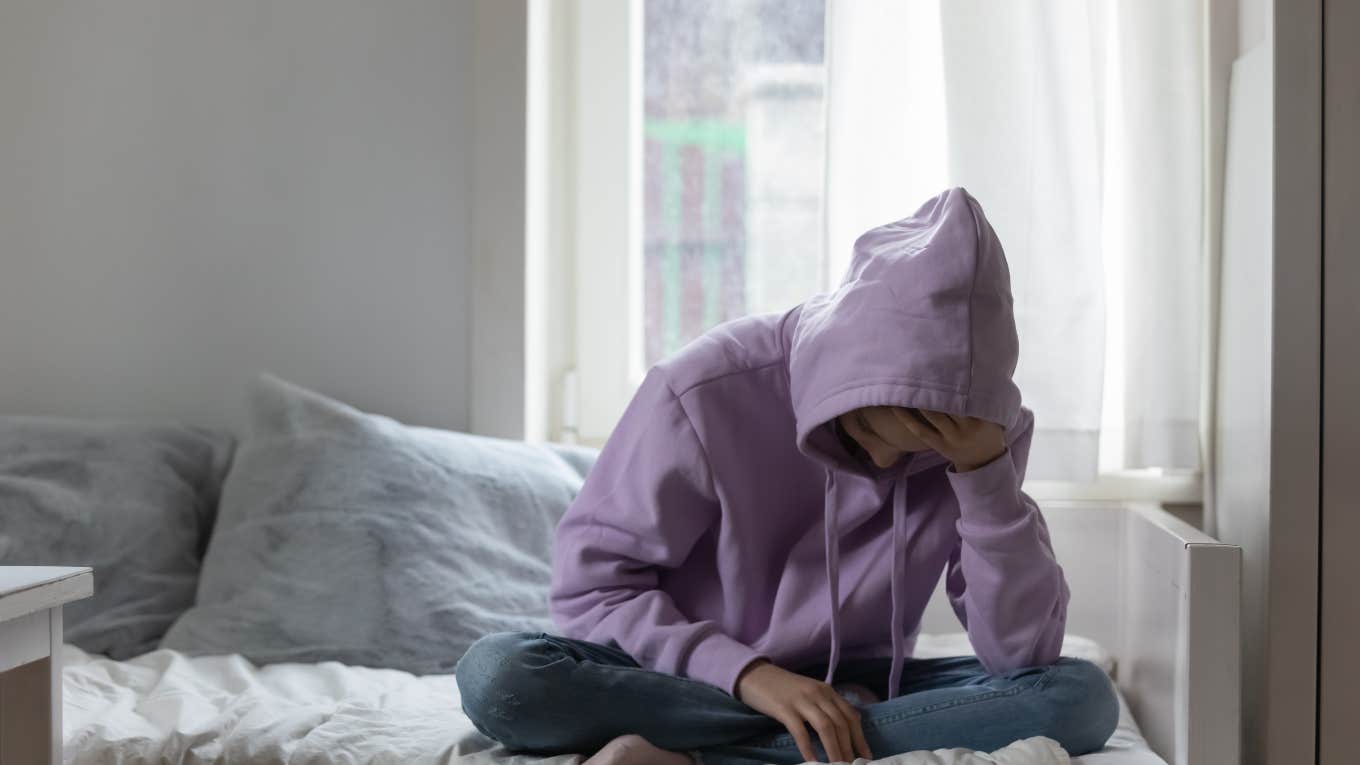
column 968, row 442
column 797, row 702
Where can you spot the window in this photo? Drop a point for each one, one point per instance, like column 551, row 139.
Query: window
column 732, row 162
column 716, row 157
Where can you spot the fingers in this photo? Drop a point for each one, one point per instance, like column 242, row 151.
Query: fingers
column 943, row 423
column 798, row 729
column 861, row 743
column 919, row 428
column 840, row 722
column 826, row 729
column 857, row 740
column 866, row 437
column 880, row 420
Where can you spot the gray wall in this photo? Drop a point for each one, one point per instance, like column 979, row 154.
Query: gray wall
column 194, row 190
column 1339, row 664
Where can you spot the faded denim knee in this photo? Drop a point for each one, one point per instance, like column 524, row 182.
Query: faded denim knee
column 1082, row 705
column 501, row 678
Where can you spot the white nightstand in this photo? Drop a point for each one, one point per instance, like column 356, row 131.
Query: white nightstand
column 30, row 659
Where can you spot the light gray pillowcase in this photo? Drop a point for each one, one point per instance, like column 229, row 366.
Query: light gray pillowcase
column 351, row 537
column 134, row 501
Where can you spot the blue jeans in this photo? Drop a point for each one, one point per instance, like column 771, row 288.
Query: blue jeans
column 544, row 694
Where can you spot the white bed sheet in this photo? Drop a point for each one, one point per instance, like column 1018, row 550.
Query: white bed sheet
column 164, row 707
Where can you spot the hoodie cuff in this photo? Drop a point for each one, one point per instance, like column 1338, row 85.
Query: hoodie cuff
column 718, row 660
column 989, row 494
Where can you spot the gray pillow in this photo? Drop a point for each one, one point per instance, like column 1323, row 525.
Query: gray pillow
column 133, row 501
column 351, row 537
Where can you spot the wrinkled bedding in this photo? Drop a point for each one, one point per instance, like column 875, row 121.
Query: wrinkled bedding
column 165, row 707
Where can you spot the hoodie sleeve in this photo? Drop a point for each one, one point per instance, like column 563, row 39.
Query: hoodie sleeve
column 1003, row 580
column 647, row 501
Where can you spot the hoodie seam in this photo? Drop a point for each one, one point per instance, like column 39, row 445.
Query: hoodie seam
column 781, row 336
column 972, row 292
column 866, row 382
column 708, row 461
column 902, row 381
column 717, row 377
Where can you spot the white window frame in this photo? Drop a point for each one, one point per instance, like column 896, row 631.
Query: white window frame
column 585, row 227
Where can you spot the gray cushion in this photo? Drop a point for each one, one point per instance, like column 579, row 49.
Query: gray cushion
column 133, row 501
column 351, row 537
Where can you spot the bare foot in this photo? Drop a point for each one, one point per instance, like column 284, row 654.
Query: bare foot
column 636, row 750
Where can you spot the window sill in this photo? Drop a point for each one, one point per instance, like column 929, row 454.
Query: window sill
column 1125, row 486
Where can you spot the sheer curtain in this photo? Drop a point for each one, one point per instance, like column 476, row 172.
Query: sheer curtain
column 1077, row 125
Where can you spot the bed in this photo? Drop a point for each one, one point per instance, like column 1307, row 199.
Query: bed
column 1154, row 601
column 301, row 595
column 167, row 707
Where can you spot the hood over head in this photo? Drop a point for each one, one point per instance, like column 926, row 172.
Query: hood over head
column 922, row 319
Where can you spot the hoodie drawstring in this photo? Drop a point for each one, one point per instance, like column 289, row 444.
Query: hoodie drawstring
column 833, row 572
column 899, row 593
column 899, row 589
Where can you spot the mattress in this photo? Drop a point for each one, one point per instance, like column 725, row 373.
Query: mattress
column 165, row 707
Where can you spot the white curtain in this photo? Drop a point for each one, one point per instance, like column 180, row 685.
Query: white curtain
column 1077, row 125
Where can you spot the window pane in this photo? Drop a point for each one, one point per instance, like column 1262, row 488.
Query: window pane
column 732, row 162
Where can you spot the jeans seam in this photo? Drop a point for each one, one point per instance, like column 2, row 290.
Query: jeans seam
column 610, row 666
column 1046, row 677
column 638, row 669
column 565, row 646
column 879, row 722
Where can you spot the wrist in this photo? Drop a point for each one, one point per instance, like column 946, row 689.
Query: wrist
column 746, row 672
column 965, row 466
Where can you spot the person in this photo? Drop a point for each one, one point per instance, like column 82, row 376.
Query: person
column 743, row 573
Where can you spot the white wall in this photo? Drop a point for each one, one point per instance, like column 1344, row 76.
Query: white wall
column 1242, row 464
column 1266, row 482
column 194, row 190
column 550, row 294
column 1253, row 19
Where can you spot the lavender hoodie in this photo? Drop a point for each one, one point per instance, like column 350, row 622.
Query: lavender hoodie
column 725, row 521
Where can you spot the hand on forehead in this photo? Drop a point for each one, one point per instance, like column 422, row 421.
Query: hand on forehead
column 885, row 431
column 891, row 424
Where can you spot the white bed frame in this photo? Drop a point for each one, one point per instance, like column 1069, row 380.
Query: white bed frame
column 1164, row 599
